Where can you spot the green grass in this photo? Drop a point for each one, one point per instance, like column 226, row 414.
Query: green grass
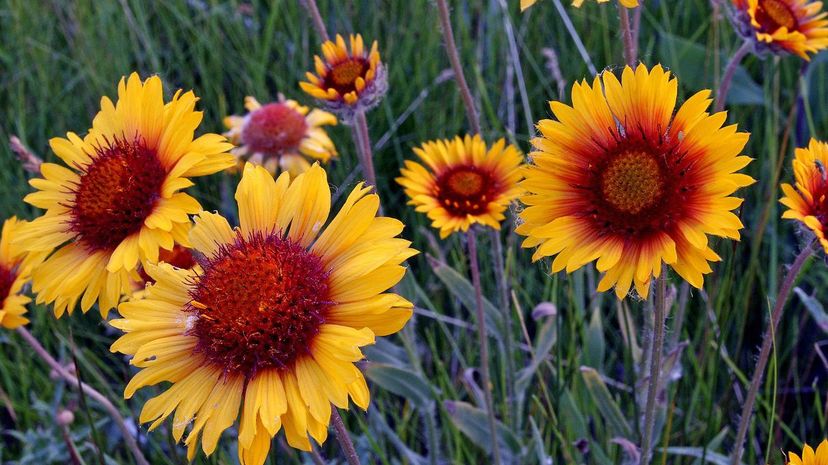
column 57, row 58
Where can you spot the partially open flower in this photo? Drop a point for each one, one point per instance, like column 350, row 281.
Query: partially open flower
column 524, row 4
column 15, row 270
column 281, row 135
column 623, row 179
column 810, row 456
column 267, row 327
column 346, row 79
column 463, row 182
column 807, row 200
column 118, row 200
column 793, row 26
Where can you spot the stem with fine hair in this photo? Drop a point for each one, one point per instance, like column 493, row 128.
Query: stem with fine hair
column 87, row 390
column 656, row 348
column 343, row 437
column 484, row 343
column 628, row 36
column 454, row 58
column 764, row 353
column 364, row 144
column 729, row 72
column 316, row 18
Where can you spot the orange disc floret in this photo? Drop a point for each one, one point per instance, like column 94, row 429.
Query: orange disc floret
column 622, row 179
column 799, row 27
column 347, row 78
column 807, row 199
column 463, row 182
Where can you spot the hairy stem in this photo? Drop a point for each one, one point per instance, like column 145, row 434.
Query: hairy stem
column 454, row 58
column 628, row 36
column 87, row 390
column 343, row 437
column 484, row 343
column 316, row 18
column 729, row 72
column 364, row 143
column 764, row 353
column 656, row 350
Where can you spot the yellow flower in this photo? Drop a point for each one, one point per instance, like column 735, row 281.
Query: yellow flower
column 463, row 182
column 795, row 26
column 623, row 180
column 279, row 135
column 118, row 203
column 809, row 457
column 347, row 79
column 15, row 268
column 524, row 4
column 807, row 201
column 273, row 321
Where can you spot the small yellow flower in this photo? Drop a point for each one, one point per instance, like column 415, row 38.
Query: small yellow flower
column 281, row 135
column 269, row 323
column 807, row 200
column 119, row 202
column 347, row 79
column 15, row 269
column 463, row 182
column 809, row 456
column 794, row 26
column 623, row 179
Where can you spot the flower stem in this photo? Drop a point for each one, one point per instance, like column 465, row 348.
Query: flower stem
column 655, row 367
column 344, row 437
column 764, row 353
column 454, row 58
column 364, row 143
column 484, row 343
column 730, row 71
column 87, row 390
column 316, row 18
column 628, row 36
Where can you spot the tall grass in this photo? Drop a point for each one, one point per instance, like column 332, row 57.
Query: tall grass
column 574, row 395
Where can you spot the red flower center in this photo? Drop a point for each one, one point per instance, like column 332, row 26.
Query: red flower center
column 466, row 190
column 638, row 188
column 116, row 193
column 259, row 303
column 179, row 257
column 632, row 181
column 7, row 277
column 342, row 76
column 274, row 129
column 775, row 14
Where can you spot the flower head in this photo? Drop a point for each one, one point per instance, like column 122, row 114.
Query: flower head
column 793, row 26
column 621, row 179
column 809, row 456
column 272, row 319
column 15, row 269
column 119, row 202
column 463, row 182
column 524, row 4
column 281, row 135
column 807, row 200
column 347, row 79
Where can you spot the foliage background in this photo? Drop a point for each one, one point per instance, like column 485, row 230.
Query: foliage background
column 577, row 396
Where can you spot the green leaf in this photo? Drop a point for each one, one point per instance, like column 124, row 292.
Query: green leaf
column 463, row 290
column 403, row 382
column 544, row 341
column 595, row 346
column 814, row 307
column 474, row 423
column 699, row 452
column 606, row 404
